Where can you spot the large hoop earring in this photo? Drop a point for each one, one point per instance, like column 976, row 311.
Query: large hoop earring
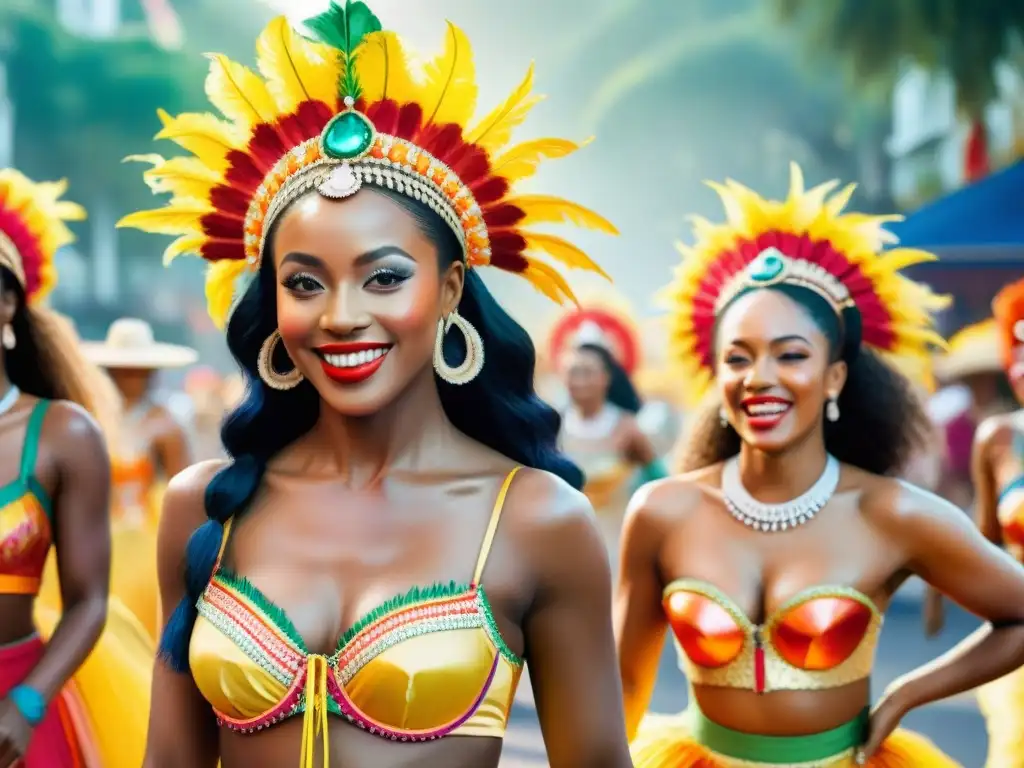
column 7, row 337
column 265, row 366
column 469, row 368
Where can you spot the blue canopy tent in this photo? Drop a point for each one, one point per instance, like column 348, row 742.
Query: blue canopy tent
column 982, row 223
column 978, row 234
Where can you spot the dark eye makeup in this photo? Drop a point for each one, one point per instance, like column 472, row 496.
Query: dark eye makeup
column 301, row 282
column 388, row 278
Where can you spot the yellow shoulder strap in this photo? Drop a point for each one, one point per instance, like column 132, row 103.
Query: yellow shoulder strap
column 223, row 543
column 492, row 526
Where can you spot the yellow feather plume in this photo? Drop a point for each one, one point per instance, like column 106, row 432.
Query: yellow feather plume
column 184, row 244
column 495, row 130
column 382, row 66
column 68, row 211
column 296, row 70
column 449, row 90
column 548, row 281
column 172, row 220
column 202, row 134
column 239, row 93
column 186, row 178
column 521, row 161
column 554, row 210
column 563, row 251
column 220, row 288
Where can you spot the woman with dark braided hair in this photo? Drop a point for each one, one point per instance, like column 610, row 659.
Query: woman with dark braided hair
column 396, row 531
column 774, row 555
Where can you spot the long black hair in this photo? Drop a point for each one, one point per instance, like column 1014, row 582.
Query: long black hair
column 882, row 421
column 499, row 409
column 47, row 361
column 621, row 392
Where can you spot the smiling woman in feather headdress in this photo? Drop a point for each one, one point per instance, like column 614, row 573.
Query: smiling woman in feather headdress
column 330, row 606
column 773, row 558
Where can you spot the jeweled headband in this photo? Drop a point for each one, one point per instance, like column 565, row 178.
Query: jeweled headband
column 805, row 240
column 347, row 109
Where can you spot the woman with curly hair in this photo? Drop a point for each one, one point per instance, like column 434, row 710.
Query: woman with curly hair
column 77, row 695
column 395, row 532
column 774, row 555
column 997, row 468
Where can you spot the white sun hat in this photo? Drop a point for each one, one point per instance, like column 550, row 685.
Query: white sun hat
column 130, row 344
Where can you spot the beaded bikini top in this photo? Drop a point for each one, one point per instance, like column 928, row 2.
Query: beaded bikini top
column 424, row 665
column 822, row 637
column 25, row 518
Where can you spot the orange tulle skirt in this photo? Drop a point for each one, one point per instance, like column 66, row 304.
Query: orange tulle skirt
column 671, row 741
column 1002, row 704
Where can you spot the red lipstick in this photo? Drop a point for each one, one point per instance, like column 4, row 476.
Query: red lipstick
column 352, row 363
column 764, row 413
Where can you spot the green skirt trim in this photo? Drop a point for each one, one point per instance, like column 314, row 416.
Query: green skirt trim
column 777, row 749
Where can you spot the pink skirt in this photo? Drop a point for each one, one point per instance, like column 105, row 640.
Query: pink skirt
column 57, row 741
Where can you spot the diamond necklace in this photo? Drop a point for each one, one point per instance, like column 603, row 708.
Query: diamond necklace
column 771, row 518
column 9, row 399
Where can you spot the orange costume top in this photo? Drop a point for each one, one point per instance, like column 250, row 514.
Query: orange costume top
column 822, row 637
column 424, row 665
column 26, row 531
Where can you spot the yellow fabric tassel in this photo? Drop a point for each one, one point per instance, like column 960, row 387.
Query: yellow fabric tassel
column 314, row 722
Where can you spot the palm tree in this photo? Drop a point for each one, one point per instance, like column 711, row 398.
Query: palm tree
column 965, row 38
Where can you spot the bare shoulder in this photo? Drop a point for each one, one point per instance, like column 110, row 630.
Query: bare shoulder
column 673, row 499
column 542, row 506
column 184, row 502
column 997, row 433
column 74, row 434
column 905, row 511
column 552, row 528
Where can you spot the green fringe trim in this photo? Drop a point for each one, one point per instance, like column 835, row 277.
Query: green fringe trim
column 276, row 615
column 493, row 631
column 438, row 591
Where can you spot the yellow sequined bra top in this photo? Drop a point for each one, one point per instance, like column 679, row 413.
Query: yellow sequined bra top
column 822, row 637
column 424, row 665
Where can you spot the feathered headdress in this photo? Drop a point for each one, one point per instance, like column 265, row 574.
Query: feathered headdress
column 32, row 229
column 347, row 109
column 803, row 240
column 602, row 318
column 1008, row 310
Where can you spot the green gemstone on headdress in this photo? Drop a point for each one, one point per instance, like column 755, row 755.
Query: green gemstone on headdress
column 766, row 267
column 347, row 136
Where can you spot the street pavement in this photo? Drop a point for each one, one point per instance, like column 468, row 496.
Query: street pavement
column 954, row 725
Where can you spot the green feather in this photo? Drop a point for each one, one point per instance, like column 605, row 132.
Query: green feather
column 344, row 27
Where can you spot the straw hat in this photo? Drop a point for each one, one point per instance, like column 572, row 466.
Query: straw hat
column 973, row 350
column 130, row 344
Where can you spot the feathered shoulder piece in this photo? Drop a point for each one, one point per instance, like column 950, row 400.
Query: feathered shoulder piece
column 33, row 229
column 344, row 109
column 1008, row 311
column 804, row 240
column 603, row 318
